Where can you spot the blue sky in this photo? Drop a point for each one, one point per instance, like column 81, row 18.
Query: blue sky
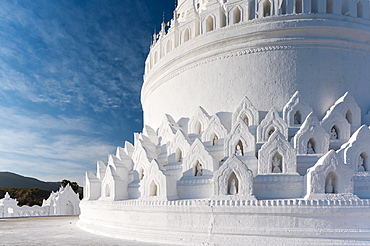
column 70, row 79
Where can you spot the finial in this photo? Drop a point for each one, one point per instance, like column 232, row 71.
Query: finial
column 155, row 35
column 163, row 17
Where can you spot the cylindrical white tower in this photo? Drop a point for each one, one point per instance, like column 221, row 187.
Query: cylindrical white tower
column 216, row 53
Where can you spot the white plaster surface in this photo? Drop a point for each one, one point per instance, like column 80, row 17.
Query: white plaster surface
column 63, row 231
column 278, row 57
column 54, row 231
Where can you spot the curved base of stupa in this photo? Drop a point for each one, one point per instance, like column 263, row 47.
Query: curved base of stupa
column 231, row 222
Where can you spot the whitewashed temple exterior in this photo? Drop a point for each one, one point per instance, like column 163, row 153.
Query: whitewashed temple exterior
column 255, row 129
column 62, row 202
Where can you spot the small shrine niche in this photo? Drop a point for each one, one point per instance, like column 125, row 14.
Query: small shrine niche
column 153, row 189
column 246, row 120
column 362, row 164
column 232, row 184
column 297, row 118
column 277, row 163
column 334, row 133
column 349, row 116
column 331, row 183
column 198, row 169
column 107, row 191
column 198, row 128
column 239, row 150
column 311, row 145
column 214, row 140
column 266, row 8
column 141, row 173
column 270, row 132
column 178, row 155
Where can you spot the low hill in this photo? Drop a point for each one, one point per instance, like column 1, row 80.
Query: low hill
column 12, row 180
column 26, row 196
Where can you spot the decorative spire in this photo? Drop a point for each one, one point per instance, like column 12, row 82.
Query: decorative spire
column 163, row 27
column 154, row 36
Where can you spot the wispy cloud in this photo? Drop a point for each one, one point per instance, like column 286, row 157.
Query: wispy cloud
column 91, row 56
column 70, row 79
column 44, row 144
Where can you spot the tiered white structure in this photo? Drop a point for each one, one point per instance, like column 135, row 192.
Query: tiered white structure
column 249, row 158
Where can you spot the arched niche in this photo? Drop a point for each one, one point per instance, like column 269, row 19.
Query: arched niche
column 266, row 8
column 214, row 139
column 186, row 35
column 214, row 131
column 222, row 19
column 153, row 189
column 241, row 187
column 198, row 169
column 246, row 112
column 237, row 15
column 329, row 6
column 277, row 163
column 346, row 114
column 330, row 176
column 315, row 6
column 246, row 119
column 113, row 186
column 277, row 156
column 359, row 8
column 296, row 110
column 199, row 121
column 355, row 152
column 239, row 148
column 349, row 116
column 198, row 128
column 141, row 173
column 178, row 155
column 199, row 153
column 240, row 135
column 298, row 6
column 363, row 162
column 107, row 190
column 156, row 184
column 168, row 46
column 334, row 133
column 270, row 124
column 232, row 184
column 209, row 24
column 155, row 57
column 270, row 131
column 311, row 146
column 179, row 143
column 331, row 183
column 297, row 118
column 69, row 208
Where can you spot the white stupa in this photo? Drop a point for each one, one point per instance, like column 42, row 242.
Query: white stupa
column 253, row 113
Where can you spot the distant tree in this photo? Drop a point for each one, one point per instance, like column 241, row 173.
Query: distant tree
column 73, row 185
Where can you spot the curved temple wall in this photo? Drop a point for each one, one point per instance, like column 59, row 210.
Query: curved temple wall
column 266, row 59
column 225, row 222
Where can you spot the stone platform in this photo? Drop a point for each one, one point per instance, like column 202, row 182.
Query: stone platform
column 229, row 222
